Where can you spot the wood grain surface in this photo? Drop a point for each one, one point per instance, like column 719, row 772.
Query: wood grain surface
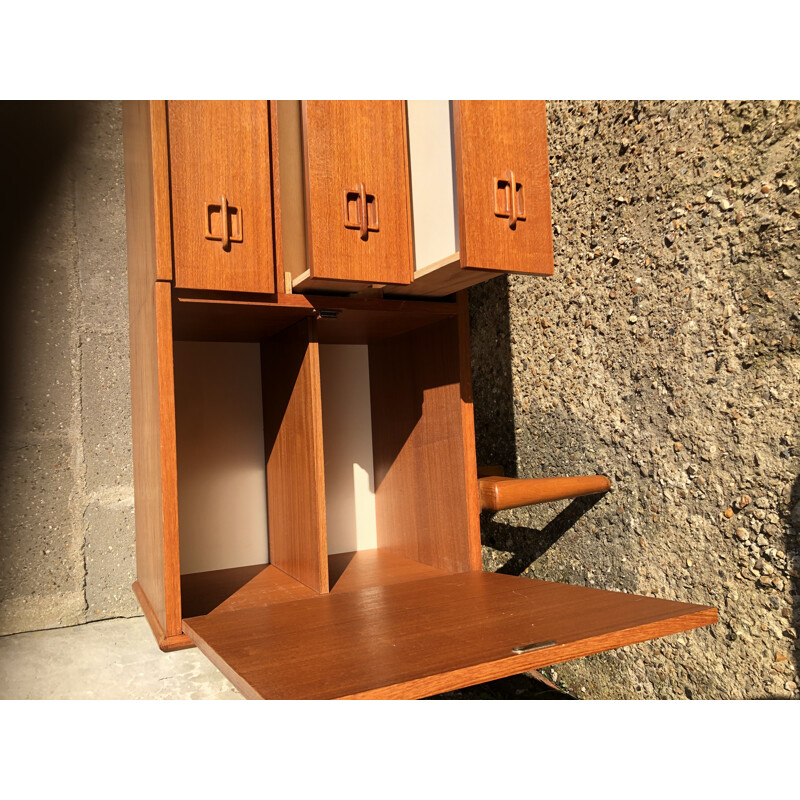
column 441, row 279
column 423, row 637
column 221, row 148
column 498, row 492
column 168, row 459
column 277, row 200
column 419, row 448
column 490, row 138
column 294, row 451
column 471, row 494
column 347, row 143
column 350, row 572
column 142, row 270
column 252, row 319
column 179, row 641
column 152, row 388
column 224, row 590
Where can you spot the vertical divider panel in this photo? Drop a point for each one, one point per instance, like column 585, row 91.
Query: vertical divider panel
column 420, row 448
column 293, row 449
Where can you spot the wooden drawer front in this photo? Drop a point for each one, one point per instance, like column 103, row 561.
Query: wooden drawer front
column 221, row 195
column 495, row 141
column 350, row 144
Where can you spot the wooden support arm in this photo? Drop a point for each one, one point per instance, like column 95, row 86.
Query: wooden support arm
column 498, row 492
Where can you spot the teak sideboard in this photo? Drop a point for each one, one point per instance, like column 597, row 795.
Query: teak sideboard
column 307, row 493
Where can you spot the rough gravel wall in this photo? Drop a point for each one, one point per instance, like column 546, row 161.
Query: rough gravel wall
column 663, row 353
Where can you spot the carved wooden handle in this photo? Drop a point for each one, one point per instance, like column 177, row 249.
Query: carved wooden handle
column 230, row 223
column 366, row 211
column 513, row 198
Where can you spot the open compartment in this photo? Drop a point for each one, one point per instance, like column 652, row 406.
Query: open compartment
column 330, row 454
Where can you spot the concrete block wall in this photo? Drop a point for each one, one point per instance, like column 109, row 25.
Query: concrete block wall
column 66, row 477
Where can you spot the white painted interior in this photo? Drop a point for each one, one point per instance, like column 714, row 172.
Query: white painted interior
column 292, row 204
column 222, row 502
column 347, row 442
column 433, row 193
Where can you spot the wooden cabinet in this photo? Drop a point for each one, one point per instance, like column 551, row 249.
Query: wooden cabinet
column 307, row 497
column 344, row 194
column 221, row 192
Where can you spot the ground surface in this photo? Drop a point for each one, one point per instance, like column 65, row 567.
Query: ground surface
column 117, row 659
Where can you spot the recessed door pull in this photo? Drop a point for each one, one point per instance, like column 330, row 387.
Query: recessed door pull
column 361, row 211
column 529, row 648
column 230, row 223
column 509, row 198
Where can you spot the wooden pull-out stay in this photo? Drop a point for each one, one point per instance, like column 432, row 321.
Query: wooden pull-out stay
column 498, row 492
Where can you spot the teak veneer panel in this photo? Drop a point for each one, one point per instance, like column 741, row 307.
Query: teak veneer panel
column 492, row 136
column 234, row 589
column 350, row 572
column 294, row 451
column 346, row 143
column 202, row 592
column 268, row 586
column 354, row 320
column 415, row 639
column 441, row 279
column 221, row 148
column 152, row 388
column 423, row 449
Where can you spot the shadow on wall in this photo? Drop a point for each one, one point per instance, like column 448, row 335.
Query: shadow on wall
column 490, row 341
column 530, row 544
column 36, row 140
column 495, row 435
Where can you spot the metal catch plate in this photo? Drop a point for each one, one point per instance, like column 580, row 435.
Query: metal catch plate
column 529, row 648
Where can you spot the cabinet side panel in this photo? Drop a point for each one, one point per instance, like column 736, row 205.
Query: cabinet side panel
column 161, row 205
column 219, row 154
column 293, row 449
column 349, row 143
column 421, row 494
column 494, row 139
column 141, row 242
column 169, row 458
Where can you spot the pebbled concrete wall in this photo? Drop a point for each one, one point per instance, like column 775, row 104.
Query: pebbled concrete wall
column 66, row 480
column 664, row 353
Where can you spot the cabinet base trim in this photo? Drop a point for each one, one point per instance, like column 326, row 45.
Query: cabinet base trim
column 165, row 643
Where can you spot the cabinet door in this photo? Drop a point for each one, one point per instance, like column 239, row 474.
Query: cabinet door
column 503, row 186
column 221, row 195
column 357, row 198
column 426, row 636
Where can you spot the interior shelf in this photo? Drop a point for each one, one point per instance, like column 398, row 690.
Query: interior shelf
column 238, row 588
